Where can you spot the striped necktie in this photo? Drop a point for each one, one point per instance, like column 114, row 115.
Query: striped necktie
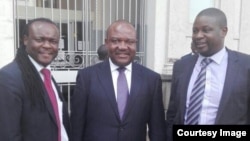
column 196, row 97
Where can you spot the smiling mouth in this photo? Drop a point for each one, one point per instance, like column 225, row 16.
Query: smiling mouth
column 200, row 45
column 122, row 55
column 46, row 54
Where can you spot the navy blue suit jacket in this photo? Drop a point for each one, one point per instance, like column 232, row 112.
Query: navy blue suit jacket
column 94, row 109
column 19, row 119
column 235, row 100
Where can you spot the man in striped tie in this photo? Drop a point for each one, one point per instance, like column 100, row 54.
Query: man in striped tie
column 215, row 91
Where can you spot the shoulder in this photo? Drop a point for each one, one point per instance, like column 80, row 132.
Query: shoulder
column 11, row 76
column 93, row 68
column 186, row 59
column 186, row 56
column 239, row 56
column 242, row 55
column 11, row 69
column 143, row 70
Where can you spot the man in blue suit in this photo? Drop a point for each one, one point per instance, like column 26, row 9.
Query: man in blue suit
column 27, row 113
column 226, row 96
column 94, row 110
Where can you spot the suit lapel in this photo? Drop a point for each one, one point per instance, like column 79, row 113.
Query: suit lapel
column 65, row 111
column 58, row 90
column 104, row 73
column 184, row 79
column 136, row 81
column 229, row 80
column 48, row 104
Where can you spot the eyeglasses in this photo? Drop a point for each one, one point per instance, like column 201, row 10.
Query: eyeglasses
column 116, row 41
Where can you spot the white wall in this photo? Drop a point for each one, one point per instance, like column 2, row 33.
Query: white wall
column 170, row 30
column 6, row 32
column 156, row 50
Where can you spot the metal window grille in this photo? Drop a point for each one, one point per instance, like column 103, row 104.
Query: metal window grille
column 82, row 25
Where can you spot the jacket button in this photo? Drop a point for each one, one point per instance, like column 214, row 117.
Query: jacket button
column 121, row 128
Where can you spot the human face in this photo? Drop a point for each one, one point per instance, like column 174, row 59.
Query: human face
column 208, row 36
column 42, row 42
column 121, row 43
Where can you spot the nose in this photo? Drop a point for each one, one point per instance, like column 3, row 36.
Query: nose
column 122, row 45
column 199, row 35
column 46, row 44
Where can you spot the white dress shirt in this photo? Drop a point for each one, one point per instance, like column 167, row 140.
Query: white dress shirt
column 64, row 136
column 215, row 78
column 115, row 73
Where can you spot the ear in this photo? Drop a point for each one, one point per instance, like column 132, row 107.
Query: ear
column 106, row 43
column 224, row 31
column 25, row 40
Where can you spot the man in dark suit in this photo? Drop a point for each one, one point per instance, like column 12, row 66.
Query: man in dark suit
column 95, row 114
column 226, row 95
column 27, row 113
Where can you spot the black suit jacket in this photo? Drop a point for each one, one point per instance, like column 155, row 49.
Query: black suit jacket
column 19, row 120
column 235, row 100
column 188, row 55
column 94, row 109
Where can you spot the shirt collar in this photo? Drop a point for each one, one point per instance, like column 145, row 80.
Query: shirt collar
column 114, row 67
column 38, row 66
column 217, row 57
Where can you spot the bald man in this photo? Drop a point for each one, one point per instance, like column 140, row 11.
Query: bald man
column 97, row 112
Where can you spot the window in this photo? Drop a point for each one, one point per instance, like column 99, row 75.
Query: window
column 195, row 6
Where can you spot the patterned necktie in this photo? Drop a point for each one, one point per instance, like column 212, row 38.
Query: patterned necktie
column 196, row 97
column 50, row 91
column 122, row 91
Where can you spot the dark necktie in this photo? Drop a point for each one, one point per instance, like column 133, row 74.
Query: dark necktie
column 197, row 94
column 50, row 91
column 122, row 91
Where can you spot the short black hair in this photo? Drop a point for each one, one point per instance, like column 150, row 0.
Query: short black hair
column 119, row 21
column 102, row 52
column 216, row 13
column 30, row 22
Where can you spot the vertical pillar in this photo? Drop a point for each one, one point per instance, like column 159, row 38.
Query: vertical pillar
column 7, row 50
column 157, row 15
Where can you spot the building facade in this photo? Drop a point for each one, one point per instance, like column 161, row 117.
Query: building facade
column 164, row 29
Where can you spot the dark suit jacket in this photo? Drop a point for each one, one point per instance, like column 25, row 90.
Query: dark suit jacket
column 95, row 114
column 235, row 100
column 19, row 121
column 187, row 55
